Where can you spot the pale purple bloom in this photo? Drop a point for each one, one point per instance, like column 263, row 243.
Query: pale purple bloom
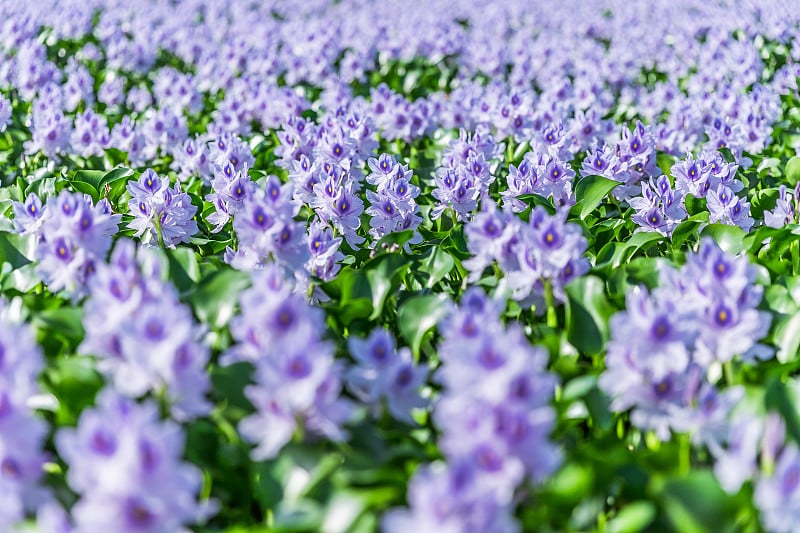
column 127, row 467
column 785, row 211
column 297, row 380
column 659, row 208
column 382, row 372
column 137, row 347
column 161, row 213
column 5, row 113
column 726, row 207
column 22, row 434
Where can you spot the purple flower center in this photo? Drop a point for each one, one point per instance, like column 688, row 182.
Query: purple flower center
column 154, row 329
column 138, row 514
column 299, row 367
column 791, row 479
column 103, row 443
column 663, row 388
column 403, row 378
column 723, row 316
column 490, row 359
column 489, row 460
column 260, row 218
column 661, row 328
column 10, row 469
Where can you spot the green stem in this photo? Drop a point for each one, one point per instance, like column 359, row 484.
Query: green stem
column 157, row 223
column 727, row 368
column 684, row 459
column 552, row 319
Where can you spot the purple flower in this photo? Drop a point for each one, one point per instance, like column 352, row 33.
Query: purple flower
column 137, row 347
column 324, row 254
column 450, row 498
column 297, row 380
column 725, row 207
column 548, row 250
column 5, row 113
column 776, row 495
column 22, row 434
column 383, row 372
column 659, row 208
column 73, row 236
column 126, row 466
column 785, row 211
column 161, row 214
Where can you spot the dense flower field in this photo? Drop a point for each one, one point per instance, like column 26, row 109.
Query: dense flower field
column 400, row 265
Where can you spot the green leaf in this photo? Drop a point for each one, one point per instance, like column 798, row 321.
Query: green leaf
column 571, row 483
column 418, row 315
column 88, row 182
column 588, row 312
column 216, row 296
column 114, row 175
column 787, row 338
column 437, row 266
column 778, row 397
column 184, row 271
column 792, row 171
column 74, row 381
column 66, row 321
column 297, row 515
column 696, row 503
column 10, row 250
column 591, row 190
column 382, row 273
column 729, row 238
column 633, row 518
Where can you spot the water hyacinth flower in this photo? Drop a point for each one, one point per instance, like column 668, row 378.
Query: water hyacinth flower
column 338, row 204
column 659, row 208
column 266, row 230
column 297, row 380
column 5, row 113
column 445, row 497
column 495, row 419
column 162, row 214
column 383, row 372
column 127, row 467
column 465, row 174
column 491, row 237
column 664, row 342
column 323, row 252
column 392, row 206
column 726, row 207
column 137, row 348
column 22, row 434
column 786, row 209
column 550, row 251
column 73, row 236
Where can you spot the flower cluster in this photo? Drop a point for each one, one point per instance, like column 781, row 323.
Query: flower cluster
column 22, row 434
column 392, row 205
column 145, row 338
column 297, row 380
column 465, row 175
column 384, row 373
column 126, row 466
column 785, row 210
column 73, row 237
column 659, row 208
column 495, row 419
column 663, row 344
column 161, row 214
column 541, row 173
column 545, row 252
